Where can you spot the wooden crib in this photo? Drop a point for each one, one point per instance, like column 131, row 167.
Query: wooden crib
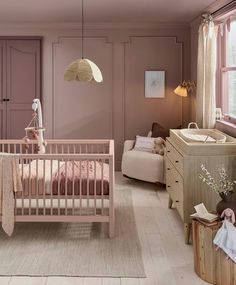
column 72, row 182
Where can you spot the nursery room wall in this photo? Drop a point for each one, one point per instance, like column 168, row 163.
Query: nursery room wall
column 117, row 108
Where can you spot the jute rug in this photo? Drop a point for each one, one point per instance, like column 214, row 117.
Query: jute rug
column 63, row 249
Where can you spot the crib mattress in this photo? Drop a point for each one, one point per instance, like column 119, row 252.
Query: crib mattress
column 50, row 177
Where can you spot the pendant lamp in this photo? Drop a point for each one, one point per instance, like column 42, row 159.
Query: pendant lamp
column 83, row 69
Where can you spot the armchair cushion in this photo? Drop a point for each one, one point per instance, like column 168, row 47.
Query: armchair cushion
column 142, row 165
column 144, row 144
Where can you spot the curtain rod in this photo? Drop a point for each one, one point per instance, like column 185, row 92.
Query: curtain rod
column 221, row 8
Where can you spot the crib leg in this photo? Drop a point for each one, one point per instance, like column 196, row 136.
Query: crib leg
column 111, row 221
column 111, row 228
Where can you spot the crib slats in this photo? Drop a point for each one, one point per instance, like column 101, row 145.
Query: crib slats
column 80, row 188
column 87, row 187
column 75, row 167
column 44, row 188
column 58, row 187
column 102, row 189
column 73, row 187
column 66, row 187
column 29, row 186
column 23, row 186
column 95, row 188
column 51, row 188
column 37, row 186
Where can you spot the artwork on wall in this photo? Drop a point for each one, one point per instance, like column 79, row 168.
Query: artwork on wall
column 154, row 84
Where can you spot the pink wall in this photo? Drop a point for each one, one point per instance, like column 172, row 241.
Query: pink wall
column 117, row 108
column 194, row 50
column 151, row 53
column 82, row 110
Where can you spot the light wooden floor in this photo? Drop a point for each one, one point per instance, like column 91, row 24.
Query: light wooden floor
column 167, row 260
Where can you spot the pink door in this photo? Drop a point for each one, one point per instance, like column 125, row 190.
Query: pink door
column 23, row 82
column 2, row 89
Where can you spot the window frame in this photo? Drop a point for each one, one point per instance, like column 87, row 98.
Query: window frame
column 222, row 73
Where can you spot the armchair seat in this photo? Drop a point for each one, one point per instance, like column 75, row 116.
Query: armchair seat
column 142, row 165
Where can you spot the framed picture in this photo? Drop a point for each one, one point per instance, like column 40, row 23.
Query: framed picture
column 154, row 84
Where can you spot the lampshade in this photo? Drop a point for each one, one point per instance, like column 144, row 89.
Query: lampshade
column 83, row 70
column 181, row 91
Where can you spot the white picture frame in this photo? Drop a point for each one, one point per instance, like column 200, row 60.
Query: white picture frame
column 154, row 84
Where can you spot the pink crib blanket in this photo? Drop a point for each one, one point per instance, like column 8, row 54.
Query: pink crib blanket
column 66, row 177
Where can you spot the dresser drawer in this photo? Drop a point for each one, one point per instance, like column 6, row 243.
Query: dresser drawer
column 179, row 204
column 175, row 157
column 174, row 186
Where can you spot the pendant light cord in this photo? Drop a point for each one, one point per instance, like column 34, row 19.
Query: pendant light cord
column 82, row 29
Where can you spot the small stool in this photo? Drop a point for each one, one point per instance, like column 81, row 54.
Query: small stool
column 211, row 265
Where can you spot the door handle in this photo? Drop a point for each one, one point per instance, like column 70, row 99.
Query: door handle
column 5, row 100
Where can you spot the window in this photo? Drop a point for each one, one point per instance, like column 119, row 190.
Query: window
column 228, row 71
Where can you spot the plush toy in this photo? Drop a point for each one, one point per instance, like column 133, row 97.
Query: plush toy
column 228, row 214
column 159, row 146
column 226, row 236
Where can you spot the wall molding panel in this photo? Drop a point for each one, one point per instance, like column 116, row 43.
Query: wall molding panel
column 60, row 61
column 167, row 46
column 114, row 47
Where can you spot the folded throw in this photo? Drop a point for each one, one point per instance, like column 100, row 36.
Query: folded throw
column 10, row 182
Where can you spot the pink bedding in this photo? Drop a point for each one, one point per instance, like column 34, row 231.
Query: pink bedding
column 81, row 174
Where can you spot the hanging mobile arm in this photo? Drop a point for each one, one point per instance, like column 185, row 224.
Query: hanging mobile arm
column 35, row 128
column 36, row 106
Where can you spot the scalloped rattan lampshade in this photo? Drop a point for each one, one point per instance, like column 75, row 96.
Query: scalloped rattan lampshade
column 83, row 69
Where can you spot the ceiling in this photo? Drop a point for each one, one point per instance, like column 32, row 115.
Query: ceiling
column 101, row 10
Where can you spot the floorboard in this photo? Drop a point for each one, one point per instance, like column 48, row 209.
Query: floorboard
column 111, row 281
column 65, row 281
column 5, row 280
column 24, row 280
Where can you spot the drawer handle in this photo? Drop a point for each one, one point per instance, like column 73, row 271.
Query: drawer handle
column 168, row 150
column 168, row 168
column 177, row 201
column 176, row 161
column 168, row 186
column 176, row 181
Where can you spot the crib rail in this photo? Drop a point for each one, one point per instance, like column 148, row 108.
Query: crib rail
column 72, row 182
column 57, row 146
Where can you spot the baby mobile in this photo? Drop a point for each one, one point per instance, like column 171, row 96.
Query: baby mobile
column 35, row 129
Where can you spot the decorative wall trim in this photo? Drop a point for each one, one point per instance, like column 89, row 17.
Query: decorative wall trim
column 58, row 42
column 12, row 49
column 1, row 71
column 1, row 125
column 176, row 41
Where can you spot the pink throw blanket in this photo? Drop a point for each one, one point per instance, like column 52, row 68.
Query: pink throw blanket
column 60, row 180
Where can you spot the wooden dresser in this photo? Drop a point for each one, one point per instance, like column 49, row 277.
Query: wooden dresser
column 183, row 165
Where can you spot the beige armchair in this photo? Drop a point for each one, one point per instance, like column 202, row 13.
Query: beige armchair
column 142, row 165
